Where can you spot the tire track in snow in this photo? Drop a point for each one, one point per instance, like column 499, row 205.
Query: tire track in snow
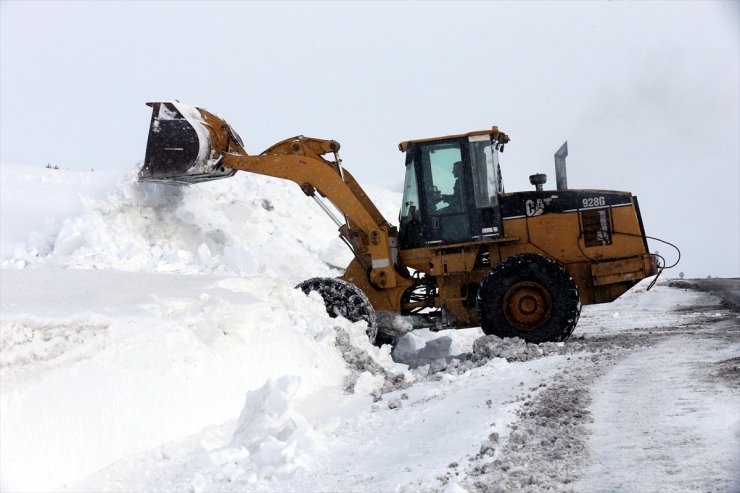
column 661, row 424
column 545, row 449
column 548, row 447
column 30, row 342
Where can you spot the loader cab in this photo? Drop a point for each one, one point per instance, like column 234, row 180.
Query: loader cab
column 451, row 190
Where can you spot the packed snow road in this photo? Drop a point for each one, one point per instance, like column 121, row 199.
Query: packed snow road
column 657, row 407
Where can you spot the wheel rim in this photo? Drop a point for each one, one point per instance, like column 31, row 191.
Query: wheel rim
column 527, row 306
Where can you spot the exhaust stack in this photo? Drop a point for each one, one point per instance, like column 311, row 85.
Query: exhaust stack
column 561, row 176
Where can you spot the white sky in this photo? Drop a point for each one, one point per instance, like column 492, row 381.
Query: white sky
column 647, row 94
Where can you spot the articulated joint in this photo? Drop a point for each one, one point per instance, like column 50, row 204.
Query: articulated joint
column 306, row 146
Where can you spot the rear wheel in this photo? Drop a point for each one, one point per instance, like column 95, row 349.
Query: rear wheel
column 531, row 297
column 344, row 299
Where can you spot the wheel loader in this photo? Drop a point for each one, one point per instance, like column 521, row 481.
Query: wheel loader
column 465, row 252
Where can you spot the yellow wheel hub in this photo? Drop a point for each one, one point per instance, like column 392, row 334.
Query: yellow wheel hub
column 527, row 306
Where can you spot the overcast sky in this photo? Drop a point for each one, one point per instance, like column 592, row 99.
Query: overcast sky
column 647, row 94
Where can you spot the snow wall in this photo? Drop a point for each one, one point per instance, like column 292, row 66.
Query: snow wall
column 108, row 352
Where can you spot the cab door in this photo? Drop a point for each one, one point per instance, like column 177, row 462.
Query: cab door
column 486, row 182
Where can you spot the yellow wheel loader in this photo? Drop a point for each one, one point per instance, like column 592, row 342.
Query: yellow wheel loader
column 465, row 253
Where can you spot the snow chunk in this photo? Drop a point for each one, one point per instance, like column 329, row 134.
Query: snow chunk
column 269, row 431
column 413, row 351
column 514, row 349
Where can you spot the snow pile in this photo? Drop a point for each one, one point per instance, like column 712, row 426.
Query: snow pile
column 227, row 226
column 514, row 349
column 439, row 357
column 247, row 225
column 122, row 356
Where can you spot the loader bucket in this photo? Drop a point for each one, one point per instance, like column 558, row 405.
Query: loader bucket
column 179, row 148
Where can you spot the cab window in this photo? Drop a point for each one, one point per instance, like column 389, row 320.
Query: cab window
column 445, row 188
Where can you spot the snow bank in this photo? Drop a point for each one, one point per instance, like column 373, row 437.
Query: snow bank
column 35, row 201
column 81, row 392
column 108, row 353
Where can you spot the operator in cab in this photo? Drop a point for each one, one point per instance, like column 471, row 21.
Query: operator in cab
column 455, row 199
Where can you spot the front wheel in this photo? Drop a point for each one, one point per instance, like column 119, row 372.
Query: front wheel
column 344, row 299
column 531, row 297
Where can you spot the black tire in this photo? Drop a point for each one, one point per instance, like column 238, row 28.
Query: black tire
column 344, row 299
column 531, row 297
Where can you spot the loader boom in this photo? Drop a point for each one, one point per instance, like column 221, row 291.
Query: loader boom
column 365, row 229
